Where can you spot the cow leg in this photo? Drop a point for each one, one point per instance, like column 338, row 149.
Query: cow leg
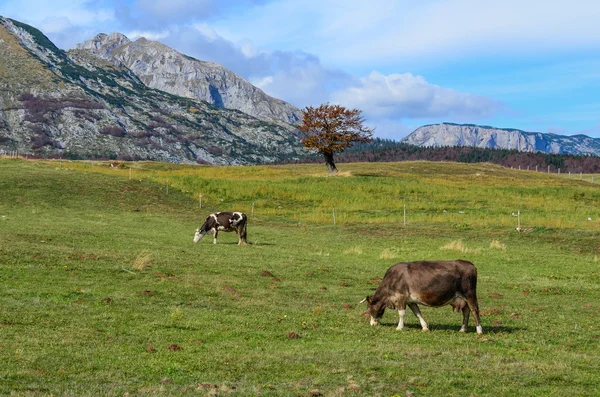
column 215, row 233
column 242, row 233
column 465, row 311
column 474, row 308
column 415, row 309
column 402, row 313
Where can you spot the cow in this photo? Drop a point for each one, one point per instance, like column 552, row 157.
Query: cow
column 429, row 283
column 223, row 221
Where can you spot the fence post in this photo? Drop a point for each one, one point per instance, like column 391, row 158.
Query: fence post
column 404, row 214
column 559, row 171
column 536, row 168
column 334, row 216
column 129, row 173
column 200, row 199
column 548, row 169
column 581, row 176
column 519, row 220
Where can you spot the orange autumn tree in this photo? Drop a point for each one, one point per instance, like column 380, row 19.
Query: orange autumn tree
column 330, row 129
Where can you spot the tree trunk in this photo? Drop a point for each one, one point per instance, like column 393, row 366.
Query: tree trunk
column 330, row 164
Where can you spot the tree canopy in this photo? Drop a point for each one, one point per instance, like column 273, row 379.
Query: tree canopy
column 330, row 129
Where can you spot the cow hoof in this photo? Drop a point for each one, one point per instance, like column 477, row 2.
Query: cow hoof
column 479, row 330
column 399, row 329
column 462, row 330
column 425, row 329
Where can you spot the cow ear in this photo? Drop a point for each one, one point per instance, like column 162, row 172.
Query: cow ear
column 369, row 300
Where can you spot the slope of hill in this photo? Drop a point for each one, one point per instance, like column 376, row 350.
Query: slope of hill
column 103, row 292
column 82, row 106
column 448, row 134
column 163, row 68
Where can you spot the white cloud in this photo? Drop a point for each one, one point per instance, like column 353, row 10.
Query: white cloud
column 150, row 35
column 387, row 31
column 407, row 96
column 206, row 31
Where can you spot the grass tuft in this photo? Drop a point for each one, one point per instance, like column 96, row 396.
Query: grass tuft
column 495, row 244
column 142, row 261
column 177, row 315
column 389, row 253
column 458, row 245
column 354, row 250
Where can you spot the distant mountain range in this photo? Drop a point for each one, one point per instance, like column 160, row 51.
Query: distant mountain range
column 111, row 97
column 89, row 103
column 449, row 134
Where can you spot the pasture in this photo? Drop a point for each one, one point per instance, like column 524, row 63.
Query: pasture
column 102, row 291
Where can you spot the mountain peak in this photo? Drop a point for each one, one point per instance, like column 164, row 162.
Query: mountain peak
column 164, row 68
column 103, row 44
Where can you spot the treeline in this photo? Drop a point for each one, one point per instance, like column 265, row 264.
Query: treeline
column 387, row 150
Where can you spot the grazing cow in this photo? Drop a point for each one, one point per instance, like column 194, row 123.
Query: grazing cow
column 223, row 221
column 429, row 283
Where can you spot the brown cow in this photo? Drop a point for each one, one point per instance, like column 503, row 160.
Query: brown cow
column 429, row 283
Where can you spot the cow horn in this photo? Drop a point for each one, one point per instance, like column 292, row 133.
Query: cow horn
column 364, row 300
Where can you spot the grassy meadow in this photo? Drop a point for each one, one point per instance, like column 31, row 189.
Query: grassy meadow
column 102, row 291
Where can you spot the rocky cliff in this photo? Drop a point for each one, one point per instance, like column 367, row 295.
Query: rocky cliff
column 163, row 68
column 82, row 106
column 448, row 134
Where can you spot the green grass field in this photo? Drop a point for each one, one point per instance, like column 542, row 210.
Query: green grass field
column 102, row 291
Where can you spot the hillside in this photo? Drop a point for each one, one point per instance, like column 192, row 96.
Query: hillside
column 81, row 106
column 448, row 134
column 163, row 68
column 383, row 150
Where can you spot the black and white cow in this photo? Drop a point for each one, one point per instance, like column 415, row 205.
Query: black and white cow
column 226, row 222
column 429, row 283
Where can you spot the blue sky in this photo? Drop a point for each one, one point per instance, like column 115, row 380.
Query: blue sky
column 527, row 64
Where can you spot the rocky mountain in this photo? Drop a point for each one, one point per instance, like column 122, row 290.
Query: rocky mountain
column 163, row 68
column 448, row 134
column 79, row 105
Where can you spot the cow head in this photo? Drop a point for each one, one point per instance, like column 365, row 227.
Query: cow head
column 199, row 234
column 375, row 309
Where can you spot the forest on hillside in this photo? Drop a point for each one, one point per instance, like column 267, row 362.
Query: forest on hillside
column 387, row 150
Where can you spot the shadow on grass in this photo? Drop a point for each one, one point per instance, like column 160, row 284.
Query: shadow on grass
column 181, row 327
column 445, row 327
column 250, row 243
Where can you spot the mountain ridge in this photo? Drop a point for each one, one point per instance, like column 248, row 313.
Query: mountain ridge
column 162, row 67
column 78, row 105
column 483, row 136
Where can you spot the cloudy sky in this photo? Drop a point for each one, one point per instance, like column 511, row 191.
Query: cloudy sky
column 527, row 64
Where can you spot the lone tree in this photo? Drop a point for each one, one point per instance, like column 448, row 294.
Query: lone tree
column 330, row 129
